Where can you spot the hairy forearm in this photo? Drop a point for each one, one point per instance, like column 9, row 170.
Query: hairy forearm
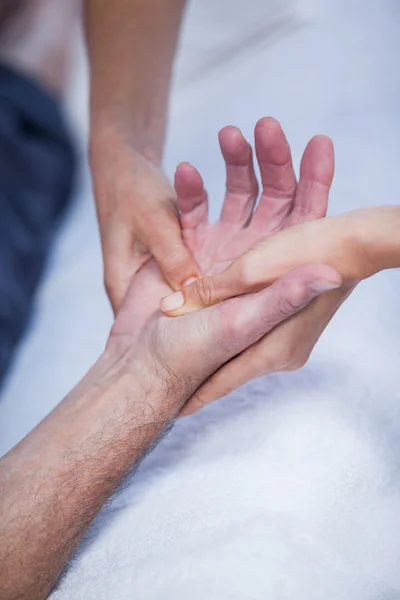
column 131, row 46
column 56, row 480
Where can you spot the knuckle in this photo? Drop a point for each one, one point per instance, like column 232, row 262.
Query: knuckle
column 294, row 295
column 203, row 291
column 233, row 324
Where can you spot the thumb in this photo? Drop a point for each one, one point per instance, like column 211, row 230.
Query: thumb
column 175, row 260
column 207, row 291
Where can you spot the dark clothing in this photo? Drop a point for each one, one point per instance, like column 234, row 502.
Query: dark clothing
column 37, row 165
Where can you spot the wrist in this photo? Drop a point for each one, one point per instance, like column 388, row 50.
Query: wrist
column 111, row 128
column 147, row 387
column 379, row 237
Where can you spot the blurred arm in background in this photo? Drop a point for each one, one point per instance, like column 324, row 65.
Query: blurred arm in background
column 131, row 46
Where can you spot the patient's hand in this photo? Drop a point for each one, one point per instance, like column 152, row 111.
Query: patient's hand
column 282, row 204
column 347, row 243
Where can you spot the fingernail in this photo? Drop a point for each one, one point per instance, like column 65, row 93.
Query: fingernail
column 322, row 285
column 172, row 302
column 189, row 281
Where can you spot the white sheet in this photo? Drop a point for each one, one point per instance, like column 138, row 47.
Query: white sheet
column 290, row 488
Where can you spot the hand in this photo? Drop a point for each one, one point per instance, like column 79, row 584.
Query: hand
column 216, row 245
column 282, row 204
column 337, row 241
column 100, row 432
column 333, row 241
column 151, row 366
column 175, row 356
column 138, row 217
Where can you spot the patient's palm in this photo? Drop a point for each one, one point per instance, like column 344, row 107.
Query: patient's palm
column 283, row 201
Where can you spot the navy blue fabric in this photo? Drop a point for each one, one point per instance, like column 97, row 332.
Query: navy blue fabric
column 37, row 165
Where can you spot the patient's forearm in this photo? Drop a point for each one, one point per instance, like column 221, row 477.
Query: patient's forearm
column 54, row 482
column 131, row 46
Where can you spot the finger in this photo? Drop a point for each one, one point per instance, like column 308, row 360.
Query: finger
column 287, row 347
column 191, row 196
column 174, row 259
column 241, row 322
column 241, row 182
column 248, row 273
column 117, row 278
column 120, row 265
column 277, row 174
column 316, row 175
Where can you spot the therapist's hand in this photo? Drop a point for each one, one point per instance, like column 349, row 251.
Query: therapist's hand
column 137, row 213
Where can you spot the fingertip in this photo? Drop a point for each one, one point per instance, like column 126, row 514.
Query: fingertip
column 321, row 146
column 271, row 142
column 321, row 138
column 188, row 181
column 318, row 273
column 318, row 160
column 169, row 304
column 234, row 146
column 329, row 273
column 191, row 196
column 229, row 133
column 183, row 167
column 268, row 123
column 326, row 278
column 176, row 305
column 268, row 130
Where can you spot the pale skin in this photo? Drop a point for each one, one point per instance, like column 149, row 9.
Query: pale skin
column 131, row 46
column 357, row 245
column 55, row 481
